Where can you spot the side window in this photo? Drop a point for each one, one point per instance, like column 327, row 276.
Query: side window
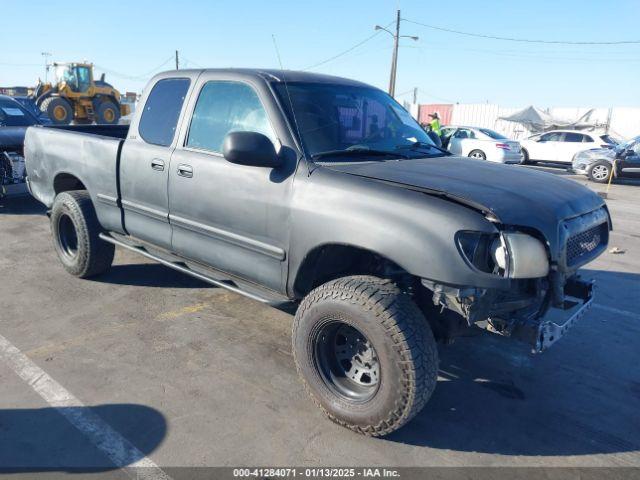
column 161, row 111
column 552, row 137
column 224, row 107
column 573, row 137
column 462, row 133
column 587, row 139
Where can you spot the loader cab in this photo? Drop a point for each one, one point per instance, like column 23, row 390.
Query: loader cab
column 77, row 76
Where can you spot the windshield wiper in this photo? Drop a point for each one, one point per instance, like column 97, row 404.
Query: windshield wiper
column 358, row 152
column 423, row 145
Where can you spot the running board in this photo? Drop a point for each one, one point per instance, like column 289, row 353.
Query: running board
column 218, row 283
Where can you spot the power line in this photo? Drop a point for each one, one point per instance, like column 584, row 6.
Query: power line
column 348, row 50
column 522, row 40
column 143, row 76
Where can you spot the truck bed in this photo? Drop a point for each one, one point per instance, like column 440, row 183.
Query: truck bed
column 86, row 156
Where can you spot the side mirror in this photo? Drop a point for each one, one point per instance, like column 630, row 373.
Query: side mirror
column 250, row 148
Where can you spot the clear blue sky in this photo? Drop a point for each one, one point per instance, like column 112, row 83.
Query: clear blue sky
column 133, row 38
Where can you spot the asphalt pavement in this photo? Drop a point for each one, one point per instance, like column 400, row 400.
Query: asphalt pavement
column 179, row 373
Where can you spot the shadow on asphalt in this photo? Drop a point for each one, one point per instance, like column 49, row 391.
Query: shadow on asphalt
column 41, row 439
column 149, row 275
column 21, row 205
column 578, row 398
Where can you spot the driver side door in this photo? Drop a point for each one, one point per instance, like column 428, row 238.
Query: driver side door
column 228, row 216
column 547, row 147
column 459, row 142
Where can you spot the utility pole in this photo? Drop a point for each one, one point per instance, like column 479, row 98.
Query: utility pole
column 415, row 95
column 46, row 55
column 394, row 59
column 177, row 61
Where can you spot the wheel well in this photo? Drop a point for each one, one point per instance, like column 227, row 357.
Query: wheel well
column 328, row 262
column 65, row 182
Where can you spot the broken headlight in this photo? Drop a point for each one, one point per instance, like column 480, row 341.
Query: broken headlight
column 508, row 254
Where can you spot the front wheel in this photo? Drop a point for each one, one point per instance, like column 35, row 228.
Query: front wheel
column 75, row 229
column 107, row 113
column 365, row 353
column 600, row 172
column 478, row 154
column 526, row 160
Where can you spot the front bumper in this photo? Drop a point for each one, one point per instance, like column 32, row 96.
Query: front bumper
column 578, row 299
column 526, row 317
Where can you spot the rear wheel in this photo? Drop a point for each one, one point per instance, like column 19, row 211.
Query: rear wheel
column 365, row 353
column 478, row 154
column 600, row 172
column 107, row 113
column 75, row 230
column 58, row 109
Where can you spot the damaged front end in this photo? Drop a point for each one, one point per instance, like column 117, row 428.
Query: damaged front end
column 544, row 295
column 524, row 313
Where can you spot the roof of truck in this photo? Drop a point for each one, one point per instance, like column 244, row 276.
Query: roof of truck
column 274, row 75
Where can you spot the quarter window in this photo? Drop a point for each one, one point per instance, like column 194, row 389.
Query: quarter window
column 162, row 110
column 225, row 107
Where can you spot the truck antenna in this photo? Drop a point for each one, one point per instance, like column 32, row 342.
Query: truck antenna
column 286, row 87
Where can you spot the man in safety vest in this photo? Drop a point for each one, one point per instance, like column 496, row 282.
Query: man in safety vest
column 435, row 123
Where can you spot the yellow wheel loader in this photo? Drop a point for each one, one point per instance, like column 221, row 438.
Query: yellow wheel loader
column 76, row 96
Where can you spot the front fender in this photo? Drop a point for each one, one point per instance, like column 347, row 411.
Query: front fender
column 413, row 229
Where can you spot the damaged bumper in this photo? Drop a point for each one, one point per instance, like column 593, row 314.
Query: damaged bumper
column 555, row 324
column 525, row 314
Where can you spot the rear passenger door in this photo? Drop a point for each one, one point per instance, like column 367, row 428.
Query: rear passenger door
column 144, row 162
column 573, row 142
column 228, row 216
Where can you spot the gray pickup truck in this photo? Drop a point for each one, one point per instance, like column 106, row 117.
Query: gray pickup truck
column 325, row 193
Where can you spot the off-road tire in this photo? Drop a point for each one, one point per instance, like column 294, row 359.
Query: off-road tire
column 91, row 256
column 51, row 104
column 403, row 341
column 105, row 118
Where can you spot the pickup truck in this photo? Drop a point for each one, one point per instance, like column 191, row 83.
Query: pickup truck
column 324, row 193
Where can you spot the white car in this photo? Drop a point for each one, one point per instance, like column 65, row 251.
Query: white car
column 562, row 145
column 481, row 143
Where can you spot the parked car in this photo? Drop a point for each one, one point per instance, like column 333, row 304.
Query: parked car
column 324, row 192
column 481, row 143
column 562, row 145
column 14, row 121
column 29, row 104
column 598, row 164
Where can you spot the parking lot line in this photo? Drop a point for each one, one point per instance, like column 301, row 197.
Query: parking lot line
column 117, row 448
column 617, row 311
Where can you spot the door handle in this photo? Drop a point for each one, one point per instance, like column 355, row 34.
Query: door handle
column 157, row 164
column 185, row 170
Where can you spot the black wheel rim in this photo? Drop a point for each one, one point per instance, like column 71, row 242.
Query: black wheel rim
column 67, row 236
column 347, row 361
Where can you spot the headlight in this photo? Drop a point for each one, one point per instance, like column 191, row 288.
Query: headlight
column 509, row 254
column 527, row 256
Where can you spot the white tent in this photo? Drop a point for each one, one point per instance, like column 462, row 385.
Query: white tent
column 536, row 120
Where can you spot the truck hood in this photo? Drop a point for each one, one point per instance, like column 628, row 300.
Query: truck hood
column 516, row 195
column 12, row 137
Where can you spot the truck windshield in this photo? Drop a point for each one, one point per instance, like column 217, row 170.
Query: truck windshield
column 13, row 115
column 360, row 121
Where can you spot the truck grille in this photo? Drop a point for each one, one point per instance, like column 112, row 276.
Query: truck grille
column 582, row 246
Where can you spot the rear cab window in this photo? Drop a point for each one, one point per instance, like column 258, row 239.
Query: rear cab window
column 159, row 119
